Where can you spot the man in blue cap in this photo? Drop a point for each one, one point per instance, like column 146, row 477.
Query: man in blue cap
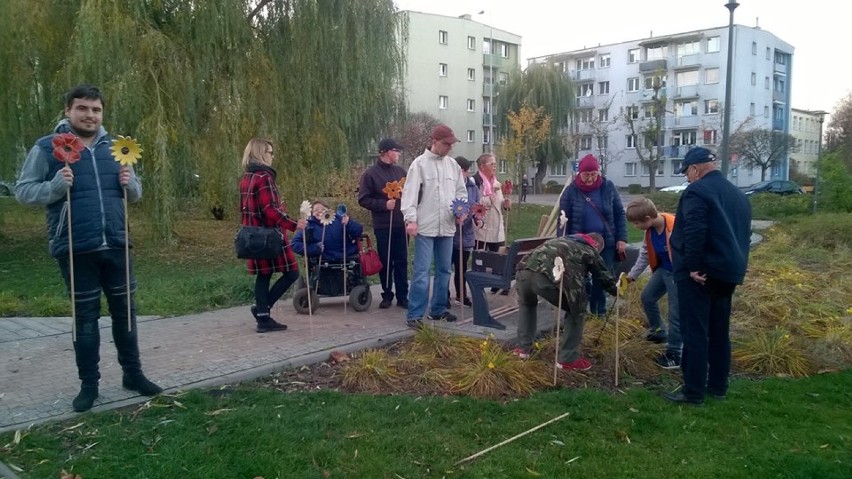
column 710, row 246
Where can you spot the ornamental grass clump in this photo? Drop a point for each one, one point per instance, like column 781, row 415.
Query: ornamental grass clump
column 373, row 371
column 771, row 353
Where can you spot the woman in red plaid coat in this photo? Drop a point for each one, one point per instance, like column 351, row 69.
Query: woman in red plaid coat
column 260, row 205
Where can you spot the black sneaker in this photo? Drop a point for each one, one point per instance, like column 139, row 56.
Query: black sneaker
column 467, row 302
column 140, row 384
column 414, row 324
column 445, row 316
column 402, row 303
column 269, row 325
column 668, row 361
column 656, row 336
column 385, row 304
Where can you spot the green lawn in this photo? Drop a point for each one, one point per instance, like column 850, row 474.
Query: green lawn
column 774, row 428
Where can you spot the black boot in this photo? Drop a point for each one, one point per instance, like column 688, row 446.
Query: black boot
column 86, row 398
column 265, row 323
column 139, row 383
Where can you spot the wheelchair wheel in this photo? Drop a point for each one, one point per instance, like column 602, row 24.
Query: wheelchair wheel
column 360, row 298
column 300, row 301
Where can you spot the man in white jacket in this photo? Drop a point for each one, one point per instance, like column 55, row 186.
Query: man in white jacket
column 434, row 180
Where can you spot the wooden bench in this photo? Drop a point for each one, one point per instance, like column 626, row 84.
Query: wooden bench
column 495, row 270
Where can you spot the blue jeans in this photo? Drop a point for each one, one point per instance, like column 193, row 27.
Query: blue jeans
column 425, row 249
column 597, row 296
column 661, row 283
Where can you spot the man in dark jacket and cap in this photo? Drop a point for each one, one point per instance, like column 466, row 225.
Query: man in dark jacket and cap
column 710, row 246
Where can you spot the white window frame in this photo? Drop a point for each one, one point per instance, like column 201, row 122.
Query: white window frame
column 687, row 78
column 471, row 74
column 660, row 169
column 471, row 43
column 442, row 69
column 633, row 84
column 586, row 142
column 631, row 141
column 604, row 60
column 586, row 63
column 443, row 37
column 676, row 166
column 603, row 115
column 711, row 76
column 504, row 50
column 471, row 136
column 603, row 88
column 714, row 44
column 712, row 107
column 753, row 78
column 443, row 102
column 559, row 169
column 633, row 55
column 633, row 112
column 630, row 168
column 471, row 104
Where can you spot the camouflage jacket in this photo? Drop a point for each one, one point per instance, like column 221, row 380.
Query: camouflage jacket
column 579, row 259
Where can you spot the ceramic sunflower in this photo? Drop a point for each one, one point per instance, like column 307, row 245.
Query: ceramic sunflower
column 393, row 189
column 327, row 217
column 460, row 207
column 305, row 209
column 126, row 151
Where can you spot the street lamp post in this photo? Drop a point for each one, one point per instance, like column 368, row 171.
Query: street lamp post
column 726, row 128
column 821, row 114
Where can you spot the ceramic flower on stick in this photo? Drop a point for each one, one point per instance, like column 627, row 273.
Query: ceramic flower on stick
column 126, row 152
column 305, row 213
column 558, row 274
column 393, row 189
column 460, row 208
column 326, row 218
column 67, row 148
column 508, row 187
column 563, row 220
column 342, row 212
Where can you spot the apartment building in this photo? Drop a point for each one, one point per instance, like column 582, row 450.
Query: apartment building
column 805, row 127
column 689, row 71
column 452, row 65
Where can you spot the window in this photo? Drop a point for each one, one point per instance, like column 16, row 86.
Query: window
column 471, row 136
column 486, row 106
column 585, row 142
column 687, row 78
column 486, row 136
column 583, row 116
column 504, row 50
column 684, row 137
column 751, row 109
column 713, row 44
column 711, row 75
column 442, row 37
column 630, row 168
column 779, row 85
column 631, row 143
column 442, row 69
column 768, row 53
column 559, row 169
column 586, row 63
column 501, row 167
column 471, row 74
column 656, row 53
column 648, row 111
column 766, row 82
column 632, row 112
column 603, row 88
column 585, row 89
column 502, row 78
column 604, row 61
column 603, row 115
column 754, row 48
column 660, row 169
column 766, row 112
column 633, row 84
column 471, row 105
column 471, row 43
column 652, row 80
column 603, row 142
column 711, row 137
column 676, row 166
column 633, row 55
column 486, row 46
column 780, row 58
column 689, row 48
column 686, row 108
column 753, row 78
column 711, row 107
column 442, row 102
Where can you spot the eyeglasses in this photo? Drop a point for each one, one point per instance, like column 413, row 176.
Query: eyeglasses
column 270, row 153
column 589, row 174
column 396, row 150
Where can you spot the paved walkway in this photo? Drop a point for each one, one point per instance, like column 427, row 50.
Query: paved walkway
column 38, row 377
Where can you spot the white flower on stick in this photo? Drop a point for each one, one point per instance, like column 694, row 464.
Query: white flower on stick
column 305, row 209
column 562, row 219
column 558, row 269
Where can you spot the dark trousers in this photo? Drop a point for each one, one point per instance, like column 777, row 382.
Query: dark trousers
column 705, row 316
column 96, row 272
column 460, row 268
column 394, row 276
column 265, row 297
column 597, row 296
column 495, row 247
column 530, row 286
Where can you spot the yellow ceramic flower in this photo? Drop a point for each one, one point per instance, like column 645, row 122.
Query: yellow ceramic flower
column 126, row 151
column 490, row 365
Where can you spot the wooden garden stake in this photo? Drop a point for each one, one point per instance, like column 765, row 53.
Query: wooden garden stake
column 507, row 441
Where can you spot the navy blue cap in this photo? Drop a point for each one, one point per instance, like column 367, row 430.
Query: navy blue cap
column 389, row 144
column 695, row 156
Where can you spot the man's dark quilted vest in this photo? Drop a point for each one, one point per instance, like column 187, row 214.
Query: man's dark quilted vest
column 97, row 207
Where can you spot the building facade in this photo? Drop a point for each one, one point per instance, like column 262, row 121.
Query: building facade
column 805, row 128
column 452, row 67
column 679, row 81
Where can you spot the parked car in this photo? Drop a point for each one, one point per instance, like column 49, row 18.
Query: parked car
column 779, row 187
column 676, row 188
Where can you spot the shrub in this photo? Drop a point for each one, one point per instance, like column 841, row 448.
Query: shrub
column 824, row 230
column 552, row 187
column 835, row 187
column 634, row 188
column 666, row 202
column 769, row 206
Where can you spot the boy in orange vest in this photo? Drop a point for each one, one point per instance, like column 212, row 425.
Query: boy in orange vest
column 656, row 253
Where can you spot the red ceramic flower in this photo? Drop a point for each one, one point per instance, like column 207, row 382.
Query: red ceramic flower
column 67, row 147
column 508, row 187
column 478, row 211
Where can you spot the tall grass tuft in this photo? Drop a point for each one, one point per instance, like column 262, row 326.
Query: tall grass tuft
column 771, row 353
column 373, row 371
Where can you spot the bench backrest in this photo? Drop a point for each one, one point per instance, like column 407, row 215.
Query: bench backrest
column 508, row 261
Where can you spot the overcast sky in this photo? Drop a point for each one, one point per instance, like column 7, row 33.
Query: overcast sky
column 822, row 68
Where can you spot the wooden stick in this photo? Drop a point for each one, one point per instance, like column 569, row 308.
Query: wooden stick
column 127, row 257
column 387, row 265
column 345, row 277
column 459, row 269
column 617, row 307
column 308, row 281
column 71, row 269
column 319, row 260
column 507, row 441
column 556, row 345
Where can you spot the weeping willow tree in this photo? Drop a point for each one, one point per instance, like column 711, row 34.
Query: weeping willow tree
column 193, row 81
column 539, row 86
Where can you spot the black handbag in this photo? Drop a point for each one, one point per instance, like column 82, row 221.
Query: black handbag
column 257, row 242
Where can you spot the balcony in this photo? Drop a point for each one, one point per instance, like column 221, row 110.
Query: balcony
column 780, row 69
column 651, row 66
column 486, row 119
column 682, row 92
column 584, row 102
column 583, row 75
column 778, row 125
column 687, row 62
column 488, row 89
column 779, row 96
column 683, row 121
